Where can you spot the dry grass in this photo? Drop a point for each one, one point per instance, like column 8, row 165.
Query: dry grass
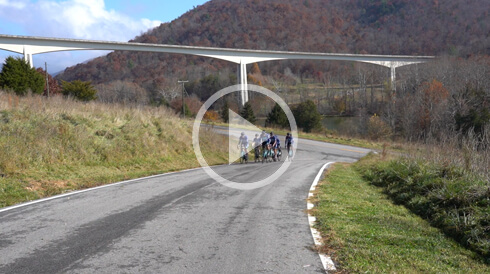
column 470, row 153
column 49, row 146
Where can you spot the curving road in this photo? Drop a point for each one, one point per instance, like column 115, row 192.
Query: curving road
column 175, row 223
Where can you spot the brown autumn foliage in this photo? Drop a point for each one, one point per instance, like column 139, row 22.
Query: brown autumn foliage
column 211, row 116
column 427, row 96
column 54, row 87
column 192, row 102
column 411, row 27
column 433, row 97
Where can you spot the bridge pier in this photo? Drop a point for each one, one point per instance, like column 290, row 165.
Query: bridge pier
column 28, row 57
column 393, row 77
column 242, row 76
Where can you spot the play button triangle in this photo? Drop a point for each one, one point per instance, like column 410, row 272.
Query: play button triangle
column 237, row 125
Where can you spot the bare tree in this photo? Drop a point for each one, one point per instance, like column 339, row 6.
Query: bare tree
column 122, row 92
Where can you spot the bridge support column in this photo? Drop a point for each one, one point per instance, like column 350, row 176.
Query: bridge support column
column 393, row 77
column 28, row 57
column 243, row 83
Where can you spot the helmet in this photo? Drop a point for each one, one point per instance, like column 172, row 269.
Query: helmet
column 287, row 134
column 256, row 134
column 243, row 133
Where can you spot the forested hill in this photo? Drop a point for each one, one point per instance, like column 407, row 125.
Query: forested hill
column 410, row 27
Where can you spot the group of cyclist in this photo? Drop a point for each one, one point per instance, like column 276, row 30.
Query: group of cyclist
column 266, row 146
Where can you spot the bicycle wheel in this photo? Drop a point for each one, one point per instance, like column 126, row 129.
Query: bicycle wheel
column 290, row 154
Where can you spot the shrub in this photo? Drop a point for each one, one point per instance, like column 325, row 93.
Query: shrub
column 211, row 115
column 191, row 105
column 378, row 129
column 83, row 91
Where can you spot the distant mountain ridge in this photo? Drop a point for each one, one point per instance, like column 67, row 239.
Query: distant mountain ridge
column 408, row 27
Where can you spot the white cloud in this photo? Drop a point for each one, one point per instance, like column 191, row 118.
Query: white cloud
column 84, row 19
column 12, row 4
column 81, row 19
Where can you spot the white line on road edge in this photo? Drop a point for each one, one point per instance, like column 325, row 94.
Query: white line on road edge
column 90, row 189
column 327, row 262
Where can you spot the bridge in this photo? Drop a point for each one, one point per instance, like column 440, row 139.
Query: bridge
column 28, row 46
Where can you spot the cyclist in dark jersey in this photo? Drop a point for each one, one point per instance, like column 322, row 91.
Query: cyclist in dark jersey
column 273, row 143
column 289, row 144
column 278, row 151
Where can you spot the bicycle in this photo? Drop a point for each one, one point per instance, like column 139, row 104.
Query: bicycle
column 279, row 154
column 267, row 154
column 289, row 145
column 289, row 156
column 243, row 155
column 257, row 154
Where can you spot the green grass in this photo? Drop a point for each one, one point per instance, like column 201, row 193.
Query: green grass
column 449, row 197
column 365, row 232
column 323, row 137
column 342, row 140
column 50, row 146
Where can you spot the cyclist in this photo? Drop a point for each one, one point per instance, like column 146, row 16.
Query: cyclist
column 272, row 143
column 265, row 139
column 243, row 145
column 256, row 144
column 278, row 148
column 289, row 144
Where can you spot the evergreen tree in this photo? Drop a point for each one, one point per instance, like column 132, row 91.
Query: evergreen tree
column 307, row 116
column 248, row 113
column 18, row 76
column 277, row 117
column 224, row 113
column 83, row 91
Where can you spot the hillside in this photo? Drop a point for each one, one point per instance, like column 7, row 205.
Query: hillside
column 53, row 145
column 411, row 27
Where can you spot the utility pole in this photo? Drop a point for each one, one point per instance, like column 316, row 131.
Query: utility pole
column 47, row 82
column 183, row 88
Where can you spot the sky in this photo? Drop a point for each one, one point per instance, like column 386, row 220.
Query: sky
column 107, row 20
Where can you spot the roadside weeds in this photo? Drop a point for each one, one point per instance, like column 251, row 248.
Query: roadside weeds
column 363, row 231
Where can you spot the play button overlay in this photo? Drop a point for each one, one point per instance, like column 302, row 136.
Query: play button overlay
column 237, row 125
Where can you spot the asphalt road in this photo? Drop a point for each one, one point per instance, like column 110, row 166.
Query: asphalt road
column 182, row 222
